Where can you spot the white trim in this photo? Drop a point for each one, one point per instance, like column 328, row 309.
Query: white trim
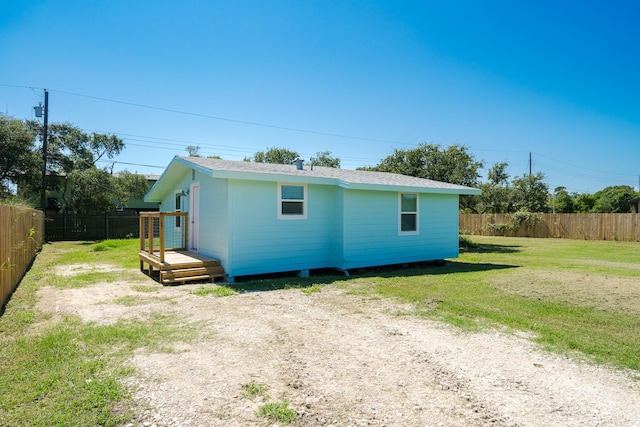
column 417, row 214
column 304, row 200
column 194, row 216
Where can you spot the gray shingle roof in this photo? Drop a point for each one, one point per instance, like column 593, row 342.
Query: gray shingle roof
column 318, row 172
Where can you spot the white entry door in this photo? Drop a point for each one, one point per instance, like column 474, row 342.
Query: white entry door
column 194, row 213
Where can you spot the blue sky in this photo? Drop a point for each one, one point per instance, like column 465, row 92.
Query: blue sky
column 358, row 78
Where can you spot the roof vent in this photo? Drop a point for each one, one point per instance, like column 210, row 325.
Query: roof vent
column 299, row 163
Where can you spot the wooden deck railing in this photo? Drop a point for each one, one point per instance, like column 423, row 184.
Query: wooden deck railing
column 154, row 232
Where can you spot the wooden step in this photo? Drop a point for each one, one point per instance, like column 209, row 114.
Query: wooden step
column 198, row 271
column 183, row 265
column 187, row 279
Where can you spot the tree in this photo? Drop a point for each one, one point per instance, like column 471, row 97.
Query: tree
column 582, row 202
column 70, row 150
column 561, row 201
column 453, row 164
column 324, row 158
column 96, row 191
column 530, row 193
column 281, row 156
column 20, row 163
column 193, row 150
column 130, row 186
column 497, row 196
column 614, row 199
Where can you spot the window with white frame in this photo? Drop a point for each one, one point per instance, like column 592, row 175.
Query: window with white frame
column 408, row 215
column 292, row 201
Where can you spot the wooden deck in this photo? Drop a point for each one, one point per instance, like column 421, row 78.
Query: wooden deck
column 181, row 266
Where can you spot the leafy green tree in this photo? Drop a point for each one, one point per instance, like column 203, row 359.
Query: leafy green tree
column 20, row 163
column 497, row 195
column 561, row 201
column 92, row 192
column 70, row 150
column 530, row 193
column 96, row 191
column 614, row 199
column 453, row 164
column 282, row 156
column 324, row 158
column 583, row 202
column 130, row 186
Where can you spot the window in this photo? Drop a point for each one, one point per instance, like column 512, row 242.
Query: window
column 408, row 204
column 178, row 207
column 292, row 202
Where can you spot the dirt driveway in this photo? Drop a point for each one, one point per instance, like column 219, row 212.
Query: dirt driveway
column 344, row 360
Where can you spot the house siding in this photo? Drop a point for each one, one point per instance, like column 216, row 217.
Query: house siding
column 371, row 229
column 262, row 243
column 349, row 223
column 213, row 227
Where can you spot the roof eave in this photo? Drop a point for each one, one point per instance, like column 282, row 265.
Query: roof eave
column 410, row 188
column 156, row 193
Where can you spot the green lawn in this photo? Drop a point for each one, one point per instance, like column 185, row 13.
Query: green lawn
column 579, row 297
column 576, row 297
column 65, row 372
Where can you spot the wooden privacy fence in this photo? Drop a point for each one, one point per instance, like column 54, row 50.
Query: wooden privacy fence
column 90, row 227
column 597, row 226
column 21, row 235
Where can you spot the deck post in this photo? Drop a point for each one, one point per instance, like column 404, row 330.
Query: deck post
column 186, row 232
column 150, row 234
column 142, row 217
column 161, row 237
column 141, row 232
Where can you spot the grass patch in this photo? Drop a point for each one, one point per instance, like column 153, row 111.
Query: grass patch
column 69, row 374
column 253, row 389
column 216, row 291
column 574, row 297
column 312, row 289
column 278, row 411
column 568, row 313
column 131, row 300
column 145, row 288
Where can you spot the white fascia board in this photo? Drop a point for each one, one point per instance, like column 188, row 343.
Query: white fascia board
column 252, row 176
column 409, row 189
column 160, row 188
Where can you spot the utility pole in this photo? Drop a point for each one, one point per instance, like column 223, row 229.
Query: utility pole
column 529, row 164
column 45, row 131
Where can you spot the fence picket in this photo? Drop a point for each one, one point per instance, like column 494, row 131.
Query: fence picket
column 596, row 226
column 21, row 236
column 91, row 227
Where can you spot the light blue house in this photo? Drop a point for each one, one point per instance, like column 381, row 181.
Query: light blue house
column 259, row 218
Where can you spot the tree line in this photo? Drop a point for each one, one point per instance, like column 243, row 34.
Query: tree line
column 501, row 193
column 72, row 170
column 73, row 173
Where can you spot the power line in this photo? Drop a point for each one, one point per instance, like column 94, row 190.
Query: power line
column 230, row 150
column 130, row 164
column 244, row 122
